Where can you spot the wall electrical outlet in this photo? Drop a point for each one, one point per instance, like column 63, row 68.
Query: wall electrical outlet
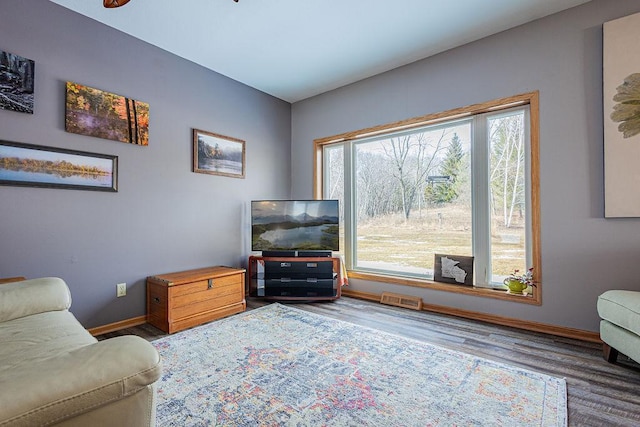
column 121, row 289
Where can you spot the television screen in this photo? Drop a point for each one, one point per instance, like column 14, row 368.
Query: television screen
column 285, row 225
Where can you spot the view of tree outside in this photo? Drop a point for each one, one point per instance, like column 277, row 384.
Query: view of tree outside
column 334, row 181
column 413, row 199
column 412, row 196
column 508, row 209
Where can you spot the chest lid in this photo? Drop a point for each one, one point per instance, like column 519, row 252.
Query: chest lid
column 188, row 276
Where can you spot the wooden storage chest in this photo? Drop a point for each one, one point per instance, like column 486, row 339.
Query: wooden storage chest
column 180, row 300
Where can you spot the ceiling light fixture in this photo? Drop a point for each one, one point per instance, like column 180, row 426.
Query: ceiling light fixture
column 110, row 4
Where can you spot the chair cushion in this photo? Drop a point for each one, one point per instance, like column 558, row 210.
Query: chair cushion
column 622, row 308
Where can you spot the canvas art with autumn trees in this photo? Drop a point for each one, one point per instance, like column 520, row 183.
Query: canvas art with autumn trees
column 94, row 112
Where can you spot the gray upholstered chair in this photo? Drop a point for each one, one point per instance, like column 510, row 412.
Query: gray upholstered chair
column 620, row 324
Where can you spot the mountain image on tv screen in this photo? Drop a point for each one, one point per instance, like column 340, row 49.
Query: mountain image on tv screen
column 307, row 225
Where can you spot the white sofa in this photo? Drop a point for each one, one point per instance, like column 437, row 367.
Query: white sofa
column 53, row 372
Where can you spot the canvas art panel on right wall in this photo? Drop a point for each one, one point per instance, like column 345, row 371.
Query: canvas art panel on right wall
column 621, row 107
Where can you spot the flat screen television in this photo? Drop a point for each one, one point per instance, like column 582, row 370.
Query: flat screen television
column 294, row 225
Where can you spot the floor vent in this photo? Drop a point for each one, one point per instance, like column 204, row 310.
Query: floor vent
column 398, row 300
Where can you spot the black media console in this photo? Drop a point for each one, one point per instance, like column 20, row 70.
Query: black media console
column 294, row 278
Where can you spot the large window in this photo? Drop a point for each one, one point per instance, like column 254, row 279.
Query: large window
column 462, row 182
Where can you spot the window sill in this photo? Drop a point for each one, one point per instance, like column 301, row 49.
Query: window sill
column 534, row 298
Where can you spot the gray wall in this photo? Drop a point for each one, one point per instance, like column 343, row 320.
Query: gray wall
column 583, row 254
column 164, row 217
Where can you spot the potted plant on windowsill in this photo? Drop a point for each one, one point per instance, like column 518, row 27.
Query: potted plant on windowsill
column 517, row 283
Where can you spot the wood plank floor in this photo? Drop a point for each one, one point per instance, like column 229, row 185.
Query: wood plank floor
column 599, row 393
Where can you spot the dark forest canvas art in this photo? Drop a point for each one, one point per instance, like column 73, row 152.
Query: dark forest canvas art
column 94, row 112
column 16, row 82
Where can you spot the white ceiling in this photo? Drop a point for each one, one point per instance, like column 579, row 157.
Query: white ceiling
column 295, row 49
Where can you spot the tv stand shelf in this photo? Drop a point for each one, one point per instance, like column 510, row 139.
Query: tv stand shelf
column 294, row 278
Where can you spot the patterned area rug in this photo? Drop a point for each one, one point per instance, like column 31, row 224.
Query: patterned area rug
column 281, row 366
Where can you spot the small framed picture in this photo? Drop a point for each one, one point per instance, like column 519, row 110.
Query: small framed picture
column 216, row 154
column 16, row 82
column 38, row 166
column 456, row 269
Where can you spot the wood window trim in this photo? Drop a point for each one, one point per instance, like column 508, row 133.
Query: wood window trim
column 530, row 98
column 533, row 298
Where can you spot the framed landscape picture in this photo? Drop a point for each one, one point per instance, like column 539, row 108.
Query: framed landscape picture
column 38, row 166
column 17, row 75
column 218, row 154
column 94, row 112
column 456, row 269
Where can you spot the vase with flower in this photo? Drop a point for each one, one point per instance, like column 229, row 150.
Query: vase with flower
column 517, row 283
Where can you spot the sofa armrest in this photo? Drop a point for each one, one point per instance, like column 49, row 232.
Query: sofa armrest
column 12, row 279
column 20, row 299
column 79, row 381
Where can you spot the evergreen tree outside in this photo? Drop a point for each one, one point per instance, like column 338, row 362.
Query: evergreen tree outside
column 447, row 192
